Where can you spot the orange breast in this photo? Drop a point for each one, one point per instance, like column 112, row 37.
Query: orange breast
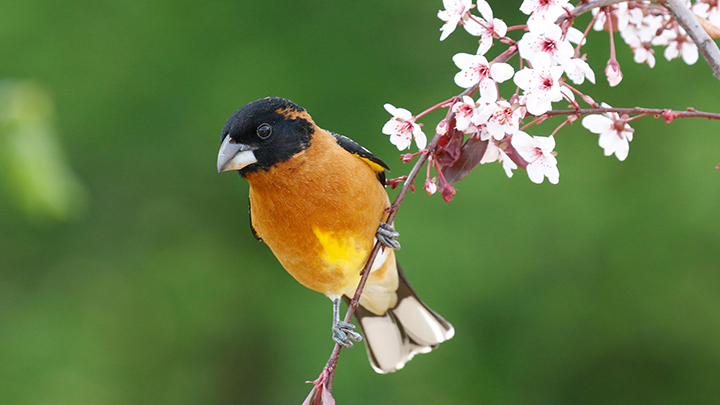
column 318, row 212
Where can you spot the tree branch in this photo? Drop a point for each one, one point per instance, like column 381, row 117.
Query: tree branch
column 585, row 7
column 667, row 114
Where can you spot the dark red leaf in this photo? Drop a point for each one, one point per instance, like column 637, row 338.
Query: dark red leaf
column 449, row 145
column 515, row 157
column 471, row 153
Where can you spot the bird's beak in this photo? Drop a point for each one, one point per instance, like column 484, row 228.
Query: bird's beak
column 234, row 156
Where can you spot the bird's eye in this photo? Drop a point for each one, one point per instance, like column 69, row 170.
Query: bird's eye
column 264, row 130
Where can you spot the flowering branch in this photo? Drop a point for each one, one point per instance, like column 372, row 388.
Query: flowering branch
column 682, row 14
column 667, row 114
column 491, row 128
column 689, row 21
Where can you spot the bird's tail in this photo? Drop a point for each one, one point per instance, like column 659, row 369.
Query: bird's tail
column 411, row 327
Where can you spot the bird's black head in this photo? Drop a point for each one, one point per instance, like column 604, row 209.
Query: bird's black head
column 263, row 133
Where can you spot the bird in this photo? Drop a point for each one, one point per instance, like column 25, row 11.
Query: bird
column 317, row 199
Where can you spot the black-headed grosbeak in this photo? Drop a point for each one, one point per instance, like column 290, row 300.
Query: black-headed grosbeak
column 318, row 200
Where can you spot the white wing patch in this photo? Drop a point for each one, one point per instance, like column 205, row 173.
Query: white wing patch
column 420, row 324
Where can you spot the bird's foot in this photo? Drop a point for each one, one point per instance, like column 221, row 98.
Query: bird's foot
column 386, row 234
column 343, row 333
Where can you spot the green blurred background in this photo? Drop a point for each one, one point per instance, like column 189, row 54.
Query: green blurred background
column 129, row 274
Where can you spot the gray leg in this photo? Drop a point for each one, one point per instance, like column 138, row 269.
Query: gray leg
column 386, row 234
column 342, row 332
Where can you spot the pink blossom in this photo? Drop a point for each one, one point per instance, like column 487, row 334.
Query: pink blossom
column 638, row 37
column 577, row 70
column 543, row 13
column 402, row 128
column 621, row 13
column 499, row 119
column 465, row 111
column 709, row 9
column 541, row 84
column 549, row 41
column 678, row 44
column 475, row 69
column 538, row 152
column 615, row 133
column 486, row 27
column 456, row 12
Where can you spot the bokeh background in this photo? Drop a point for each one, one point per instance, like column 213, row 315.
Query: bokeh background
column 128, row 273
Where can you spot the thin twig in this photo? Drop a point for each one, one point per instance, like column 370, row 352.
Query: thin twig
column 584, row 8
column 665, row 113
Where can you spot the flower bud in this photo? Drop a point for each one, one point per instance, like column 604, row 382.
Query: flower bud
column 613, row 73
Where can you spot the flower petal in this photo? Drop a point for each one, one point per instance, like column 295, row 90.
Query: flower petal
column 420, row 138
column 501, row 72
column 500, row 27
column 485, row 10
column 597, row 124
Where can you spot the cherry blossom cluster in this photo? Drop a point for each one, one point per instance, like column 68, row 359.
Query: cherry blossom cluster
column 483, row 126
column 643, row 25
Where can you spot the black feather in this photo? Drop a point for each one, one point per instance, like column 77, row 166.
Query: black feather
column 360, row 151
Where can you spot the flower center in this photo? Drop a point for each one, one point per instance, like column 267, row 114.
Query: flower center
column 546, row 82
column 407, row 129
column 549, row 45
column 619, row 127
column 483, row 71
column 502, row 116
column 544, row 4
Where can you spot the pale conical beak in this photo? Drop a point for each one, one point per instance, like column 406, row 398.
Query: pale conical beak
column 234, row 156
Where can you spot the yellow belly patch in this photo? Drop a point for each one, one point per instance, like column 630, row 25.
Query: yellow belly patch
column 341, row 252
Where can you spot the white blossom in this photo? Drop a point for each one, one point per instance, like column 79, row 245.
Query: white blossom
column 538, row 152
column 456, row 12
column 621, row 13
column 615, row 133
column 549, row 42
column 475, row 69
column 709, row 9
column 678, row 44
column 543, row 13
column 465, row 111
column 402, row 128
column 486, row 27
column 541, row 84
column 578, row 70
column 499, row 119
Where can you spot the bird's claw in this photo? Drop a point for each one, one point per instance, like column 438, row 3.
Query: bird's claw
column 343, row 333
column 386, row 234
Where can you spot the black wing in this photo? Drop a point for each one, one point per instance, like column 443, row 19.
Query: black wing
column 252, row 228
column 356, row 149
